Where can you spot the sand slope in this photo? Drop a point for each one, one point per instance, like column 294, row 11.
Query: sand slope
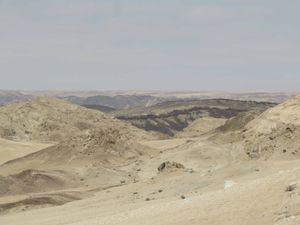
column 201, row 126
column 10, row 150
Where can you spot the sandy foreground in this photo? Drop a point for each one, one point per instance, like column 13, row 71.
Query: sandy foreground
column 239, row 193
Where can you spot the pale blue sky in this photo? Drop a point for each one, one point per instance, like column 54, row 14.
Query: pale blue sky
column 231, row 45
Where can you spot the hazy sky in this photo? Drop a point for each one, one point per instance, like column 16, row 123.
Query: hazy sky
column 233, row 45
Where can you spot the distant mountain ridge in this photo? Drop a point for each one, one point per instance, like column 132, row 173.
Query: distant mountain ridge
column 116, row 102
column 128, row 99
column 13, row 96
column 173, row 116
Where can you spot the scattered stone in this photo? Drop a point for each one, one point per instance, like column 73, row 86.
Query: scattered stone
column 291, row 187
column 169, row 166
column 189, row 170
column 123, row 182
column 160, row 190
column 183, row 197
column 147, row 199
column 135, row 193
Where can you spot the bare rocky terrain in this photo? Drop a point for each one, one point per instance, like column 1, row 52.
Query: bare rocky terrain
column 233, row 162
column 172, row 117
column 50, row 119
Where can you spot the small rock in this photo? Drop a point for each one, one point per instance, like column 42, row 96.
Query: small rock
column 291, row 187
column 147, row 199
column 169, row 165
column 189, row 170
column 183, row 197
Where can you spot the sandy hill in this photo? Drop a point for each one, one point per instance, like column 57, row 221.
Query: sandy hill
column 50, row 119
column 95, row 148
column 89, row 147
column 201, row 126
column 238, row 123
column 275, row 132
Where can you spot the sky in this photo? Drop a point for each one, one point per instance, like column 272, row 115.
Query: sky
column 199, row 45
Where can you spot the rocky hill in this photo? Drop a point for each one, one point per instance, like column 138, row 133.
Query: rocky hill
column 275, row 133
column 87, row 147
column 173, row 116
column 50, row 119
